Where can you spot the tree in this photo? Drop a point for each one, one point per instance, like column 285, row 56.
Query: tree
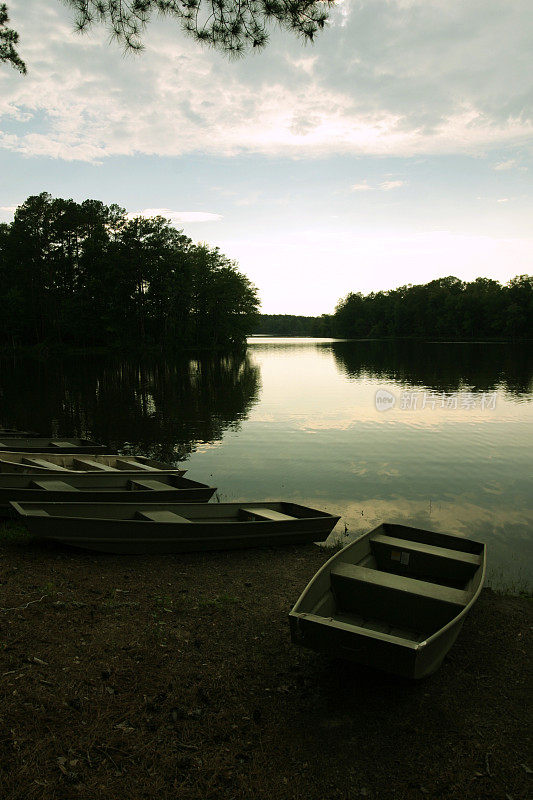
column 232, row 26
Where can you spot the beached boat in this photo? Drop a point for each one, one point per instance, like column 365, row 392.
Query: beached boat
column 106, row 487
column 84, row 462
column 175, row 527
column 395, row 599
column 44, row 444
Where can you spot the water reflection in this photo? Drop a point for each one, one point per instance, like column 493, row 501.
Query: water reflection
column 440, row 366
column 159, row 408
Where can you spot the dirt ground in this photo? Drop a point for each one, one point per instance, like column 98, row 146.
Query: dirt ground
column 174, row 677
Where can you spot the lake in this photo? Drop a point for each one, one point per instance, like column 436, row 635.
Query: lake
column 433, row 435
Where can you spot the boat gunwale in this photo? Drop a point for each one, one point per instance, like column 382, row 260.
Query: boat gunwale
column 44, row 473
column 23, row 513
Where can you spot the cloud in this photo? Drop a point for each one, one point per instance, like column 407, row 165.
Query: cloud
column 6, row 213
column 384, row 186
column 511, row 163
column 305, row 64
column 388, row 77
column 177, row 216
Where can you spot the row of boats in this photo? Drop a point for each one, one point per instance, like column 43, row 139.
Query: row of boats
column 395, row 598
column 74, row 492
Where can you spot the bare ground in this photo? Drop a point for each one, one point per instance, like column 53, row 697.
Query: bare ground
column 174, row 677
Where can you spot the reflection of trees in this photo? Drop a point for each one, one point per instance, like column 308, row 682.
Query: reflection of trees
column 440, row 366
column 160, row 408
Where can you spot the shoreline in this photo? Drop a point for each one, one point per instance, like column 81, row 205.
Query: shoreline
column 174, row 677
column 54, row 350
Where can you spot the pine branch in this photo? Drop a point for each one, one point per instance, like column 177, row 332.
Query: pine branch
column 8, row 41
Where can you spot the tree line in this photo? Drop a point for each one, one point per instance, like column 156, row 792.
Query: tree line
column 442, row 308
column 292, row 325
column 446, row 308
column 85, row 274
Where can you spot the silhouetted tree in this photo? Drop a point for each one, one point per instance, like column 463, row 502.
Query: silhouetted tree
column 85, row 274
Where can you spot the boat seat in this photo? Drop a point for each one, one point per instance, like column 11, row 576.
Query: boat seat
column 396, row 599
column 158, row 486
column 132, row 463
column 407, row 639
column 88, row 463
column 41, row 462
column 54, row 486
column 160, row 516
column 423, row 560
column 57, row 443
column 263, row 514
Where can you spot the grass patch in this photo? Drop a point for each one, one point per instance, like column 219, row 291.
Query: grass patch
column 219, row 601
column 50, row 589
column 329, row 548
column 15, row 533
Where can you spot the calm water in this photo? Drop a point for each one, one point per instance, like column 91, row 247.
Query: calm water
column 297, row 419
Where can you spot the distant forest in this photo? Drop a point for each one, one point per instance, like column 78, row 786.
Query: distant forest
column 446, row 308
column 443, row 308
column 85, row 274
column 291, row 325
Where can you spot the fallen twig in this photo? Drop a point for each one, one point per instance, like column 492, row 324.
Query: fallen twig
column 19, row 608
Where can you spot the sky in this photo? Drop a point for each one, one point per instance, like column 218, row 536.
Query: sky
column 395, row 149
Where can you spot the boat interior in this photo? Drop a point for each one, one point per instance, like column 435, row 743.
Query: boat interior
column 404, row 582
column 11, row 461
column 97, row 481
